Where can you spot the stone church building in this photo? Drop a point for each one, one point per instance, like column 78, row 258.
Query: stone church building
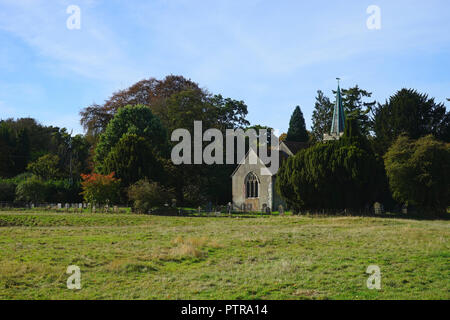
column 255, row 192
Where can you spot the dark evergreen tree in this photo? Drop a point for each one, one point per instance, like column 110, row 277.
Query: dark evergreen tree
column 356, row 108
column 336, row 175
column 322, row 116
column 411, row 113
column 138, row 120
column 131, row 159
column 297, row 128
column 6, row 148
column 22, row 152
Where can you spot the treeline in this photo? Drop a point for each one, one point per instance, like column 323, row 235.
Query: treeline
column 396, row 153
column 129, row 135
column 132, row 133
column 46, row 159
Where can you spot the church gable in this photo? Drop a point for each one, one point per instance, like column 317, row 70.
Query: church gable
column 252, row 190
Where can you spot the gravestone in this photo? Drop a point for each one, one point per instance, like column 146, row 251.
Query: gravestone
column 281, row 210
column 229, row 208
column 59, row 205
column 378, row 208
column 405, row 209
column 116, row 209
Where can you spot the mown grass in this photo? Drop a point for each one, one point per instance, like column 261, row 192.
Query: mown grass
column 125, row 256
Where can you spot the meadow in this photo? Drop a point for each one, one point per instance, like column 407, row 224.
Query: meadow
column 128, row 256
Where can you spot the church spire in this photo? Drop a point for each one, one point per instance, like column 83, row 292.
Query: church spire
column 338, row 124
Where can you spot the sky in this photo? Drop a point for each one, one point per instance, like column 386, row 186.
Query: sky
column 274, row 55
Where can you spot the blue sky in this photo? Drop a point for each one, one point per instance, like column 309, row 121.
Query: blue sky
column 274, row 55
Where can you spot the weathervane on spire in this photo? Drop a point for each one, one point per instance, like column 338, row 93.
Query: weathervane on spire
column 338, row 123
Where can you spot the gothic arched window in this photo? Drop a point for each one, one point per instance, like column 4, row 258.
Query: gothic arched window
column 251, row 186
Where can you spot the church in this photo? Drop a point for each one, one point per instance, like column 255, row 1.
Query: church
column 252, row 191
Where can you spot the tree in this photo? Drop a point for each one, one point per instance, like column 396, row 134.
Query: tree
column 231, row 113
column 149, row 92
column 137, row 120
column 100, row 189
column 322, row 116
column 146, row 195
column 418, row 172
column 7, row 190
column 356, row 108
column 31, row 190
column 411, row 113
column 24, row 140
column 297, row 128
column 187, row 106
column 40, row 137
column 22, row 152
column 132, row 159
column 154, row 94
column 6, row 147
column 73, row 152
column 336, row 175
column 46, row 167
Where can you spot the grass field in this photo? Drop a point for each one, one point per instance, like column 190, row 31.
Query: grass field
column 125, row 256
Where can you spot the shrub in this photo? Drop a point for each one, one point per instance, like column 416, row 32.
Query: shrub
column 32, row 190
column 193, row 195
column 45, row 167
column 63, row 191
column 146, row 195
column 100, row 189
column 419, row 171
column 7, row 190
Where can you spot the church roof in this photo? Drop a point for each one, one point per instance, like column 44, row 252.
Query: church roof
column 295, row 146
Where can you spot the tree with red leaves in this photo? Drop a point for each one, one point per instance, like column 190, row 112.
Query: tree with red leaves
column 100, row 189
